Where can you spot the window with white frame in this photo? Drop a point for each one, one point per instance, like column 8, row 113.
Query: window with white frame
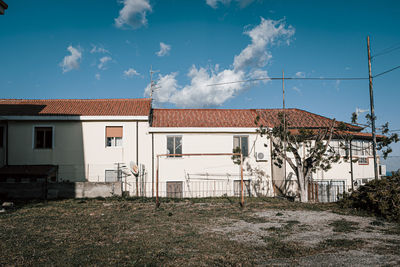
column 366, row 148
column 114, row 136
column 242, row 142
column 174, row 145
column 43, row 138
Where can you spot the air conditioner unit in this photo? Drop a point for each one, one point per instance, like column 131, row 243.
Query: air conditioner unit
column 260, row 156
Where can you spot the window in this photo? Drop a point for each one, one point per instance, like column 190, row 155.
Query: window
column 43, row 137
column 174, row 145
column 112, row 175
column 1, row 136
column 363, row 161
column 241, row 142
column 366, row 148
column 114, row 136
column 174, row 189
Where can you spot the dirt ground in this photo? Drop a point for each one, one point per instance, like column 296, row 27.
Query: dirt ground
column 354, row 240
column 195, row 232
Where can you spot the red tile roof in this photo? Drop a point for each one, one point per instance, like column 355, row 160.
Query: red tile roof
column 297, row 118
column 78, row 107
column 237, row 118
column 203, row 118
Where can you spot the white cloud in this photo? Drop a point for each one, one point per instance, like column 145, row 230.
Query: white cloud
column 202, row 91
column 97, row 76
column 99, row 49
column 133, row 14
column 71, row 62
column 164, row 50
column 167, row 87
column 268, row 32
column 300, row 74
column 214, row 3
column 103, row 62
column 130, row 73
column 297, row 89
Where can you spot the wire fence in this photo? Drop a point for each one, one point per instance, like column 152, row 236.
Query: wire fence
column 193, row 185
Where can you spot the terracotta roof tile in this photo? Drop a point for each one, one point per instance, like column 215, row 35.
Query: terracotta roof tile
column 203, row 118
column 79, row 107
column 237, row 118
column 297, row 118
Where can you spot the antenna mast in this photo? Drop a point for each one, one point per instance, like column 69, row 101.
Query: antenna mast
column 152, row 82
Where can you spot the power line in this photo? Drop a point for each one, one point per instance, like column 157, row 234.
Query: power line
column 293, row 78
column 387, row 50
column 382, row 73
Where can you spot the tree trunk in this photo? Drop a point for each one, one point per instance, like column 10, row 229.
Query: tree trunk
column 303, row 187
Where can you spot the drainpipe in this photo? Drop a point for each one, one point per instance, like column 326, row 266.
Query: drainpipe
column 152, row 164
column 137, row 157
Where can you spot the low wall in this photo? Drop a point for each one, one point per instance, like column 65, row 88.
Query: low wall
column 38, row 190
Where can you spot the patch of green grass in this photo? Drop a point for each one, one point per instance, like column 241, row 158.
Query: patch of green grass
column 343, row 226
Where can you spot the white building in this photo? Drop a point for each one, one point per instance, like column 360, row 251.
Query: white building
column 102, row 140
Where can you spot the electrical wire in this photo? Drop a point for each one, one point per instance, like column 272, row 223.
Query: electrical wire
column 293, row 78
column 387, row 50
column 382, row 73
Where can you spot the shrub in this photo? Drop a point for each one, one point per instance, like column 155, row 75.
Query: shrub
column 380, row 197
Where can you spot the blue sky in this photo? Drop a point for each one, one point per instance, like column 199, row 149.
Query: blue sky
column 112, row 45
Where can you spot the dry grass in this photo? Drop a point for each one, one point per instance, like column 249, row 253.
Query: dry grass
column 133, row 232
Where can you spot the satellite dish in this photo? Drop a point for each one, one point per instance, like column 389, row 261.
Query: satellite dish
column 134, row 168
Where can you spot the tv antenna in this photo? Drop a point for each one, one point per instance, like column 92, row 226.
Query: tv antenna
column 153, row 84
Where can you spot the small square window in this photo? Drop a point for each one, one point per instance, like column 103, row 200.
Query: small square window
column 174, row 146
column 114, row 136
column 241, row 142
column 43, row 138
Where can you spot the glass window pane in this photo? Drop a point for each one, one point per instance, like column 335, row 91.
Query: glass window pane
column 118, row 141
column 178, row 145
column 39, row 139
column 236, row 142
column 170, row 145
column 109, row 140
column 245, row 146
column 48, row 141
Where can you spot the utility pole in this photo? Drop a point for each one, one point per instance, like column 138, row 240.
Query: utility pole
column 284, row 119
column 371, row 99
column 351, row 167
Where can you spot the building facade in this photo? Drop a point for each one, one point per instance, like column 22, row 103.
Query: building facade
column 109, row 140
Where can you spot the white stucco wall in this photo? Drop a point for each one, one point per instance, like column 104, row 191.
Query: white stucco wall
column 80, row 148
column 208, row 175
column 80, row 152
column 67, row 148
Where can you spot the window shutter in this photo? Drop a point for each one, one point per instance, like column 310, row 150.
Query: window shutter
column 114, row 131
